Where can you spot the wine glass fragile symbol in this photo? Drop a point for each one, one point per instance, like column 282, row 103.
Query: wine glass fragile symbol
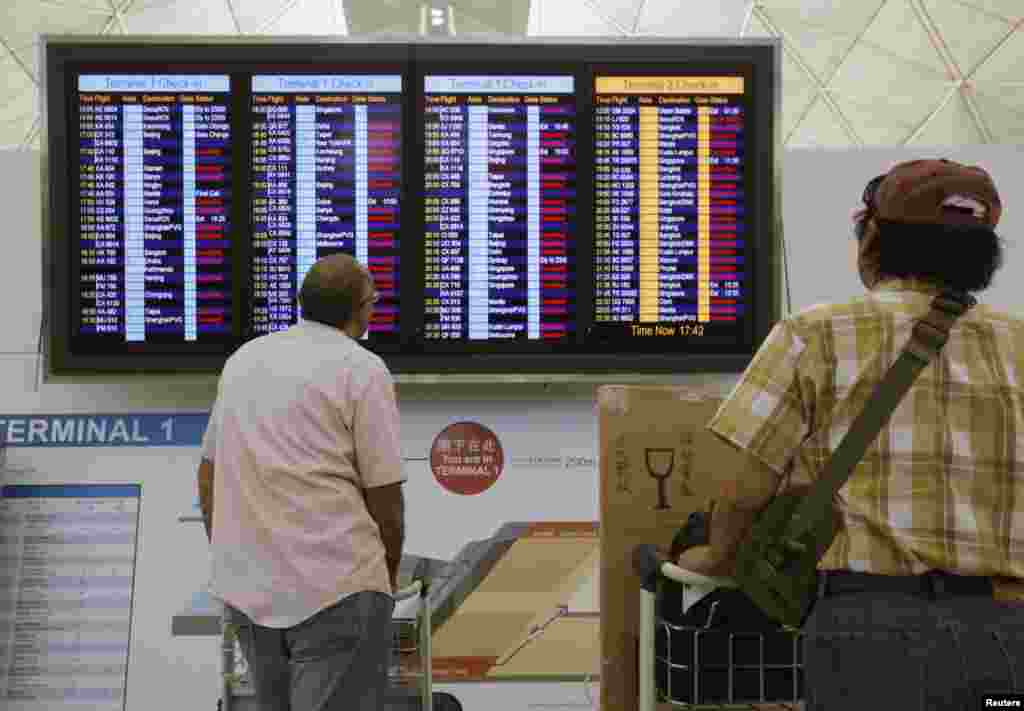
column 660, row 462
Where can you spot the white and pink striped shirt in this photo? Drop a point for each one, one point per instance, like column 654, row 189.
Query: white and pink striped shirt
column 305, row 420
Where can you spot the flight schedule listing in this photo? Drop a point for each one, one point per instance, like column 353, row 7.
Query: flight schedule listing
column 500, row 208
column 669, row 204
column 66, row 593
column 326, row 162
column 154, row 186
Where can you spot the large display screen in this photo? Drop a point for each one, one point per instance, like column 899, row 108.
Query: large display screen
column 523, row 207
column 499, row 194
column 326, row 177
column 154, row 202
column 670, row 207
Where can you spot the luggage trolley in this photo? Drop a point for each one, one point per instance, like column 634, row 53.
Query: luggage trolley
column 705, row 667
column 409, row 670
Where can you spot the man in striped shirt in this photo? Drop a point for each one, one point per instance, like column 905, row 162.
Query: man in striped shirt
column 919, row 600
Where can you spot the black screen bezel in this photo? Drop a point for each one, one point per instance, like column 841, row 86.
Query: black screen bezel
column 64, row 59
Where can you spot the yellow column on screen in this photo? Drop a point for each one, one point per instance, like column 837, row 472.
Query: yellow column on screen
column 650, row 203
column 703, row 215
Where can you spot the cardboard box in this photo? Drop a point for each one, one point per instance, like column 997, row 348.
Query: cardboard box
column 645, row 430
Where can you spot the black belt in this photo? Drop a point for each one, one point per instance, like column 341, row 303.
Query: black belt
column 932, row 584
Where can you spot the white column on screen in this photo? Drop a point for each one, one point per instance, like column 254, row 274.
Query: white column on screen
column 134, row 226
column 362, row 178
column 479, row 224
column 361, row 181
column 533, row 203
column 305, row 193
column 188, row 191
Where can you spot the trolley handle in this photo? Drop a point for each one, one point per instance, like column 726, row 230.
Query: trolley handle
column 649, row 563
column 414, row 588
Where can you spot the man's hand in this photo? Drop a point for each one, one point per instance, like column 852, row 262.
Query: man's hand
column 703, row 560
column 731, row 518
column 740, row 499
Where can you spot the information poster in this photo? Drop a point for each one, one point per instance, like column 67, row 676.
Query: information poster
column 68, row 566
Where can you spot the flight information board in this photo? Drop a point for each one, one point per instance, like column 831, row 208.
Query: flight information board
column 669, row 205
column 500, row 208
column 326, row 162
column 154, row 186
column 66, row 591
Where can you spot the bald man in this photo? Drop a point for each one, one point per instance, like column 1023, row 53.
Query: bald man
column 302, row 458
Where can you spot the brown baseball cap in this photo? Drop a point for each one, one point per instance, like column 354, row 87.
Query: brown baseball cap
column 938, row 192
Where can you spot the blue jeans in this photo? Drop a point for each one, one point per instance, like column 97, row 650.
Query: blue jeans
column 884, row 650
column 335, row 661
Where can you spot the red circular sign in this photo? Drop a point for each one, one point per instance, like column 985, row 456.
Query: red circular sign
column 466, row 458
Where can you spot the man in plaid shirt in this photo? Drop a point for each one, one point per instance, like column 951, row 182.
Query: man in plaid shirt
column 919, row 604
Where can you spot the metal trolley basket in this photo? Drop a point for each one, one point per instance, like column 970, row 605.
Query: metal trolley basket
column 409, row 672
column 703, row 667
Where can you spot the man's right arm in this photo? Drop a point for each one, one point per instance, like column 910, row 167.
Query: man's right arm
column 386, row 505
column 379, row 460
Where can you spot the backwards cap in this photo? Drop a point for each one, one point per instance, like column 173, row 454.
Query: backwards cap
column 938, row 192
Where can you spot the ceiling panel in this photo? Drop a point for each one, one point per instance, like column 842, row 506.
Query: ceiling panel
column 1009, row 9
column 841, row 16
column 886, row 85
column 1003, row 109
column 23, row 22
column 671, row 18
column 13, row 132
column 21, row 104
column 184, row 17
column 29, row 58
column 875, row 77
column 13, row 79
column 898, row 31
column 254, row 14
column 820, row 129
column 755, row 27
column 101, row 7
column 569, row 18
column 470, row 26
column 143, row 4
column 796, row 99
column 952, row 125
column 969, row 34
column 622, row 12
column 365, row 17
column 1006, row 63
column 508, row 17
column 878, row 128
column 308, row 17
column 823, row 52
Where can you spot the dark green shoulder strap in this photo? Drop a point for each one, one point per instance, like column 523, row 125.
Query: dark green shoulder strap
column 928, row 338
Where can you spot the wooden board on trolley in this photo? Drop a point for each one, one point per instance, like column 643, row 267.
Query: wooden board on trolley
column 521, row 621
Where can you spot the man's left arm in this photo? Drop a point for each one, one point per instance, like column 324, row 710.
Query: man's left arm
column 204, row 478
column 740, row 500
column 766, row 417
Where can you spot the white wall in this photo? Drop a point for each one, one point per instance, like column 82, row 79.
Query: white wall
column 820, row 188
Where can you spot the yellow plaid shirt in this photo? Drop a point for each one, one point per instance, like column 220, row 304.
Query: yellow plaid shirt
column 942, row 487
